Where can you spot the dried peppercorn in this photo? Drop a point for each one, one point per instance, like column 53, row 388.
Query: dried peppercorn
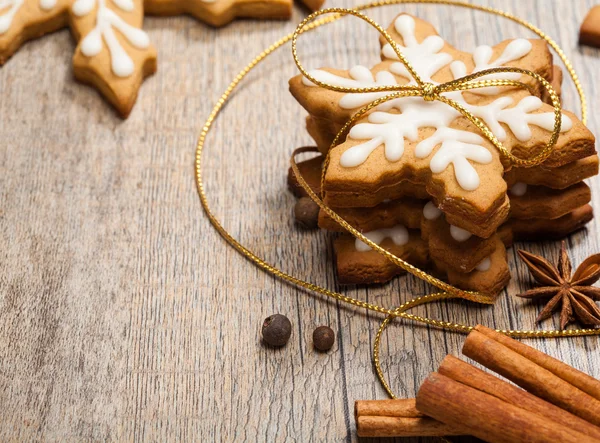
column 306, row 213
column 323, row 338
column 276, row 330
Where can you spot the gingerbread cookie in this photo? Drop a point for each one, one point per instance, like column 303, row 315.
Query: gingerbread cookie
column 222, row 12
column 113, row 53
column 540, row 194
column 589, row 34
column 536, row 211
column 313, row 5
column 490, row 276
column 406, row 212
column 555, row 178
column 528, row 202
column 544, row 229
column 451, row 247
column 429, row 144
column 466, row 261
column 323, row 131
column 358, row 264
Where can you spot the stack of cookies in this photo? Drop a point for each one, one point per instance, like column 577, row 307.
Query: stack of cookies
column 419, row 179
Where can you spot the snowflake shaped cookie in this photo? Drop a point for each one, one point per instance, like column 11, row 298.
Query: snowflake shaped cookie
column 430, row 145
column 113, row 53
column 221, row 12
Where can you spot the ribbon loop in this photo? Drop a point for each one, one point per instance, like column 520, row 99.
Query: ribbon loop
column 430, row 92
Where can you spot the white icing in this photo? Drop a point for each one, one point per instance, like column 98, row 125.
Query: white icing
column 47, row 5
column 425, row 57
column 7, row 17
column 125, row 5
column 360, row 77
column 459, row 234
column 457, row 147
column 518, row 189
column 431, row 211
column 106, row 21
column 485, row 265
column 517, row 118
column 482, row 55
column 398, row 234
column 391, row 129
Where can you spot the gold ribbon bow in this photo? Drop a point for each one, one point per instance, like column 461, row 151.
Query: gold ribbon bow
column 430, row 92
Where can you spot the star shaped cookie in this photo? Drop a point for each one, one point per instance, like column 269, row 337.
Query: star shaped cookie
column 113, row 53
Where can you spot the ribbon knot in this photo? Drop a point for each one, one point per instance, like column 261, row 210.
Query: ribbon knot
column 429, row 92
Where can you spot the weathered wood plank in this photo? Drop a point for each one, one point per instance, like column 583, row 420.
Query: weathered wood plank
column 124, row 316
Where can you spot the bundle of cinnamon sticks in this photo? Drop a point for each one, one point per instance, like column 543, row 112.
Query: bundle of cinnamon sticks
column 555, row 402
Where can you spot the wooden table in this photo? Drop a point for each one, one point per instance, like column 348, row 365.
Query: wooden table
column 123, row 314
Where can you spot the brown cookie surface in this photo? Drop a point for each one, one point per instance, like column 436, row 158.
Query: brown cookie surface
column 527, row 202
column 556, row 178
column 365, row 266
column 544, row 213
column 541, row 229
column 589, row 33
column 406, row 212
column 222, row 12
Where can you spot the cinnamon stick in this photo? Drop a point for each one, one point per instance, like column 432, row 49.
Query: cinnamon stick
column 469, row 375
column 374, row 426
column 581, row 380
column 487, row 417
column 530, row 376
column 397, row 418
column 387, row 408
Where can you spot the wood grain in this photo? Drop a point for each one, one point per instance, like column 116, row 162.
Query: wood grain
column 124, row 316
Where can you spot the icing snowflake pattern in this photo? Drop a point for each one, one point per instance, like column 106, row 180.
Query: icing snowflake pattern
column 457, row 147
column 113, row 53
column 7, row 17
column 106, row 21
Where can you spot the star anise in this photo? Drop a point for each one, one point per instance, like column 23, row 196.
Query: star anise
column 575, row 292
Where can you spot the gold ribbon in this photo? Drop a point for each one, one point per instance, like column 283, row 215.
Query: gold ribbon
column 429, row 92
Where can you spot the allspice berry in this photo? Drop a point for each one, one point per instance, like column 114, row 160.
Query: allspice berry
column 306, row 213
column 276, row 330
column 323, row 338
